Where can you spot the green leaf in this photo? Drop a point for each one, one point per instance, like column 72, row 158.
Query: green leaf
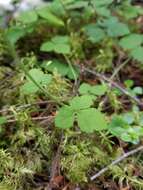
column 99, row 3
column 138, row 90
column 3, row 120
column 131, row 41
column 103, row 11
column 77, row 5
column 60, row 39
column 39, row 77
column 129, row 118
column 120, row 127
column 57, row 8
column 91, row 120
column 85, row 88
column 61, row 68
column 140, row 120
column 81, row 102
column 58, row 44
column 114, row 27
column 97, row 90
column 102, row 7
column 61, row 44
column 50, row 17
column 28, row 17
column 45, row 80
column 70, row 74
column 129, row 83
column 13, row 34
column 36, row 74
column 29, row 88
column 65, row 118
column 137, row 54
column 129, row 12
column 62, row 48
column 47, row 46
column 117, row 30
column 94, row 33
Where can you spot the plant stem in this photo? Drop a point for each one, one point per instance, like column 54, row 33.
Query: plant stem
column 119, row 68
column 119, row 159
column 112, row 83
column 71, row 67
column 33, row 119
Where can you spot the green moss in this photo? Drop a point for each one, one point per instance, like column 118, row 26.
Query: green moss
column 80, row 153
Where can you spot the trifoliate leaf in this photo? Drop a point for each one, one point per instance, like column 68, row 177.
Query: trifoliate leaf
column 88, row 119
column 91, row 120
column 81, row 102
column 65, row 117
column 58, row 44
column 131, row 41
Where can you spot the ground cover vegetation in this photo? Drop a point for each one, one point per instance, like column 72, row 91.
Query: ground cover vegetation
column 72, row 97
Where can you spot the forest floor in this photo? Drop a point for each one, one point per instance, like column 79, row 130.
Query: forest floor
column 71, row 105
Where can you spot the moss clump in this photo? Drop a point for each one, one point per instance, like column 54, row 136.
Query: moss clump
column 27, row 152
column 79, row 155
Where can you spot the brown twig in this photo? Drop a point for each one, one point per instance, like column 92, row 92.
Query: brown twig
column 119, row 159
column 33, row 119
column 113, row 84
column 117, row 70
column 25, row 106
column 55, row 167
column 110, row 82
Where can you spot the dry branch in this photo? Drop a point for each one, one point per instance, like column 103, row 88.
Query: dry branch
column 119, row 159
